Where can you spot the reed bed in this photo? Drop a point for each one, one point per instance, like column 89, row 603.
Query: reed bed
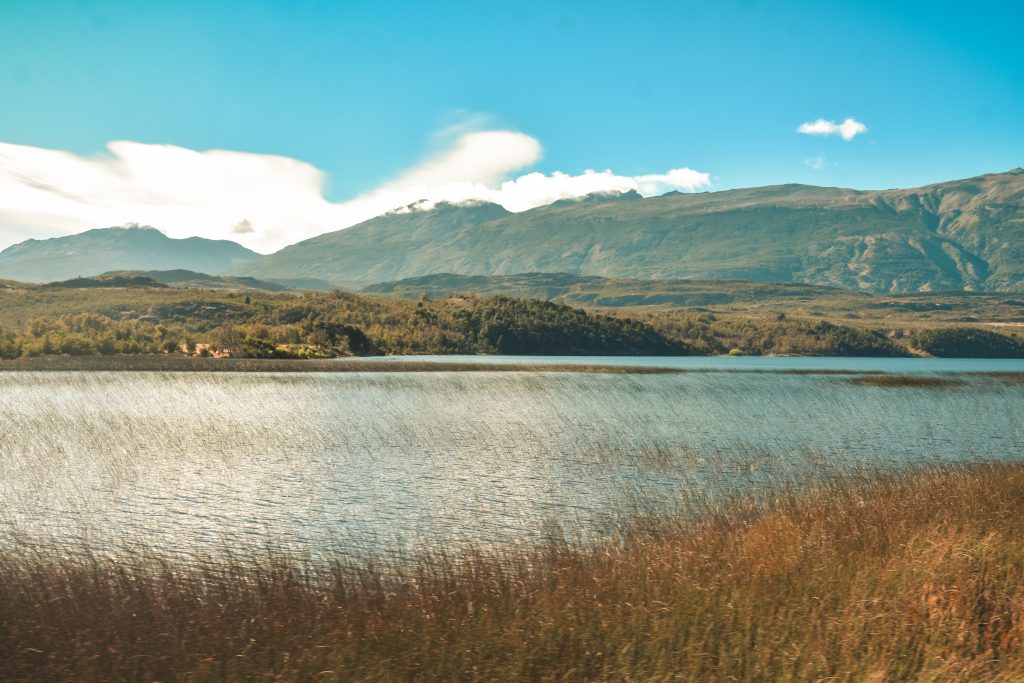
column 890, row 577
column 894, row 381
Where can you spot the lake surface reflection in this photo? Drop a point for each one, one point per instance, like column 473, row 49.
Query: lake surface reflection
column 177, row 463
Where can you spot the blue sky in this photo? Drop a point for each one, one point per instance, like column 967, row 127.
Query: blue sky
column 365, row 92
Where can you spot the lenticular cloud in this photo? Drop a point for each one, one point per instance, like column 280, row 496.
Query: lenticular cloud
column 265, row 201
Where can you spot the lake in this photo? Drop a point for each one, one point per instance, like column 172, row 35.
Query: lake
column 192, row 464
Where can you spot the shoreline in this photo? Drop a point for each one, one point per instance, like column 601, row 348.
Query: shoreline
column 408, row 364
column 143, row 363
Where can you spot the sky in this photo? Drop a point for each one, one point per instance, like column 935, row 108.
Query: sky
column 270, row 122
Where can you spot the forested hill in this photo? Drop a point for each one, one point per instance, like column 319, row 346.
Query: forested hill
column 595, row 291
column 44, row 321
column 959, row 235
column 137, row 315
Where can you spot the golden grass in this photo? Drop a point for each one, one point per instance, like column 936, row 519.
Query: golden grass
column 901, row 577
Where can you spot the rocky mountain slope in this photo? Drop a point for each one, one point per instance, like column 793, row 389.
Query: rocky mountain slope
column 964, row 235
column 960, row 235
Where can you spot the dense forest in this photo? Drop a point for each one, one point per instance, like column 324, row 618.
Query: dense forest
column 310, row 326
column 709, row 333
column 968, row 342
column 148, row 318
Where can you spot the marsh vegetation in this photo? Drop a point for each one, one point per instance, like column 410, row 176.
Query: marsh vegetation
column 894, row 578
column 495, row 525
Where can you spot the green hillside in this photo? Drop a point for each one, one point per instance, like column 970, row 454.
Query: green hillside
column 384, row 248
column 961, row 235
column 192, row 279
column 158, row 319
column 592, row 290
column 749, row 299
column 137, row 315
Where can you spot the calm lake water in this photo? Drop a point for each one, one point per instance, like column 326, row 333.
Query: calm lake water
column 188, row 464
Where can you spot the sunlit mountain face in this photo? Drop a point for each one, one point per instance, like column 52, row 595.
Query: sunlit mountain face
column 960, row 235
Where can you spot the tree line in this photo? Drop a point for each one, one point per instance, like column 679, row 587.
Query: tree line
column 337, row 324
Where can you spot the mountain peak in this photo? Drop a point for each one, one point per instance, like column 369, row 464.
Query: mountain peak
column 470, row 205
column 600, row 198
column 964, row 235
column 127, row 247
column 127, row 229
column 133, row 226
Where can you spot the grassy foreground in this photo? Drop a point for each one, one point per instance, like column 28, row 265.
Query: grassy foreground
column 909, row 577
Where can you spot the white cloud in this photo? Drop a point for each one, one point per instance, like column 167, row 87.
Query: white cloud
column 815, row 163
column 483, row 157
column 848, row 129
column 536, row 189
column 266, row 202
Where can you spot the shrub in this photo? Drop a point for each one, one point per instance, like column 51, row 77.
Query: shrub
column 967, row 342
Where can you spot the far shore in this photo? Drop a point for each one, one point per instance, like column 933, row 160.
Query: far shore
column 409, row 364
column 180, row 363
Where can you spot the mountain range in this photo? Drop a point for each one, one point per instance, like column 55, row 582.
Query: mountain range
column 114, row 249
column 961, row 235
column 965, row 235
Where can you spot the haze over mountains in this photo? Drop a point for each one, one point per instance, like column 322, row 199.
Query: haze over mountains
column 959, row 235
column 109, row 249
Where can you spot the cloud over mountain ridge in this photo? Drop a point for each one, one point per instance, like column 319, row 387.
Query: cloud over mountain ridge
column 267, row 201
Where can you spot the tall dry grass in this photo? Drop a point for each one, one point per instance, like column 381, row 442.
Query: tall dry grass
column 902, row 577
